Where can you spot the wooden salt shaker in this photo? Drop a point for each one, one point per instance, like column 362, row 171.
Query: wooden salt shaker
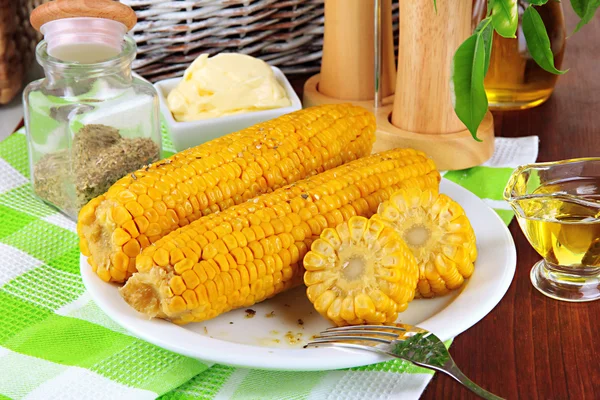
column 347, row 67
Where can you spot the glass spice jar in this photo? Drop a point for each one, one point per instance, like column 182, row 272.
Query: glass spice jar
column 89, row 121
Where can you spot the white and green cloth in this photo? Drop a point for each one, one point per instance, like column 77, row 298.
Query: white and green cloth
column 55, row 343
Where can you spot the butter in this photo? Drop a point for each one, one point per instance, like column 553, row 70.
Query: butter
column 225, row 84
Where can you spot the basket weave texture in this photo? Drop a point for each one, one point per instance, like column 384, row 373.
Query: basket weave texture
column 170, row 34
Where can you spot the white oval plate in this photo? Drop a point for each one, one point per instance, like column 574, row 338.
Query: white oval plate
column 274, row 336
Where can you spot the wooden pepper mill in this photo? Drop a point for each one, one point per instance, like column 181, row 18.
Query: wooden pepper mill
column 347, row 67
column 422, row 115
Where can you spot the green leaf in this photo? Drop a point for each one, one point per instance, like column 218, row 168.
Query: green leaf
column 537, row 2
column 586, row 9
column 505, row 17
column 435, row 5
column 468, row 67
column 487, row 34
column 538, row 42
column 579, row 7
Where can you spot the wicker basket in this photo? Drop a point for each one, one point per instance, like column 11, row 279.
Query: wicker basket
column 285, row 33
column 11, row 71
column 17, row 45
column 170, row 34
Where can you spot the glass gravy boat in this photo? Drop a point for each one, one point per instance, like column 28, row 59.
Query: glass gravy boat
column 557, row 205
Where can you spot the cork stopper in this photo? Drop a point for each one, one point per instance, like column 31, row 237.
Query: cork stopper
column 62, row 9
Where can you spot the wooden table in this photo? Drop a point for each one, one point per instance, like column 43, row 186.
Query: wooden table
column 530, row 346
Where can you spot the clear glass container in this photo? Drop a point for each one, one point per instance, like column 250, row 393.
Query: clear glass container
column 88, row 122
column 514, row 80
column 557, row 205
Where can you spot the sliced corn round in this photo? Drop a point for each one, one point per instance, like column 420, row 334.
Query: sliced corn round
column 439, row 234
column 361, row 272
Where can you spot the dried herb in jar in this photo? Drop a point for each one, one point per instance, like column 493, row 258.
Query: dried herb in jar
column 99, row 157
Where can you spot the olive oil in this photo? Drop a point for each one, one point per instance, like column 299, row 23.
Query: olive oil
column 564, row 226
column 514, row 80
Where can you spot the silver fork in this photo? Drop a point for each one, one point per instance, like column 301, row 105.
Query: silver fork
column 407, row 342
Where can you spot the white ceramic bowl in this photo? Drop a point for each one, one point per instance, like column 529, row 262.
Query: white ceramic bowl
column 193, row 133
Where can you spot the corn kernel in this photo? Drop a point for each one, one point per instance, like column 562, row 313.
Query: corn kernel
column 120, row 215
column 144, row 263
column 144, row 242
column 103, row 273
column 153, row 229
column 211, row 289
column 132, row 248
column 172, row 217
column 134, row 208
column 160, row 207
column 177, row 305
column 177, row 285
column 175, row 256
column 190, row 278
column 161, row 257
column 120, row 261
column 83, row 247
column 118, row 275
column 201, row 294
column 126, row 196
column 199, row 269
column 190, row 298
column 222, row 262
column 131, row 228
column 87, row 215
column 191, row 254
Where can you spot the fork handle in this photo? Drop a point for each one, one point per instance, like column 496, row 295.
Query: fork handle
column 457, row 374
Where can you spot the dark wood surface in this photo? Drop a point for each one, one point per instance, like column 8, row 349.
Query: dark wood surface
column 530, row 346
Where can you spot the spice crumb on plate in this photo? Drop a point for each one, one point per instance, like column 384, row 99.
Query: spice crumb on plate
column 293, row 338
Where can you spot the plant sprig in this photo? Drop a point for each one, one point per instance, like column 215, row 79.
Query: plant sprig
column 472, row 58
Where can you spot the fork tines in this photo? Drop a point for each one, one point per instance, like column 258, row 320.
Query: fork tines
column 365, row 333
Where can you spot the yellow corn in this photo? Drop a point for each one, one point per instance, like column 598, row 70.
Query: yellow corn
column 439, row 234
column 254, row 250
column 360, row 272
column 143, row 207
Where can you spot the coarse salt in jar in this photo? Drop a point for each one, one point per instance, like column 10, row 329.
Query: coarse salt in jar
column 89, row 121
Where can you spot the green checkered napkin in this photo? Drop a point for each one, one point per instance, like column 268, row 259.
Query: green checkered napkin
column 55, row 343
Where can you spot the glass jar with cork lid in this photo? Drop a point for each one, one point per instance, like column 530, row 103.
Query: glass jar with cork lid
column 89, row 121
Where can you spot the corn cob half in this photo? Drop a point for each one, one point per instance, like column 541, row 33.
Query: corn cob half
column 439, row 234
column 360, row 272
column 146, row 205
column 250, row 252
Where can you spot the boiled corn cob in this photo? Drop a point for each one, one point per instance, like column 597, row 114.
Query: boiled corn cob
column 142, row 207
column 361, row 272
column 439, row 234
column 254, row 250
